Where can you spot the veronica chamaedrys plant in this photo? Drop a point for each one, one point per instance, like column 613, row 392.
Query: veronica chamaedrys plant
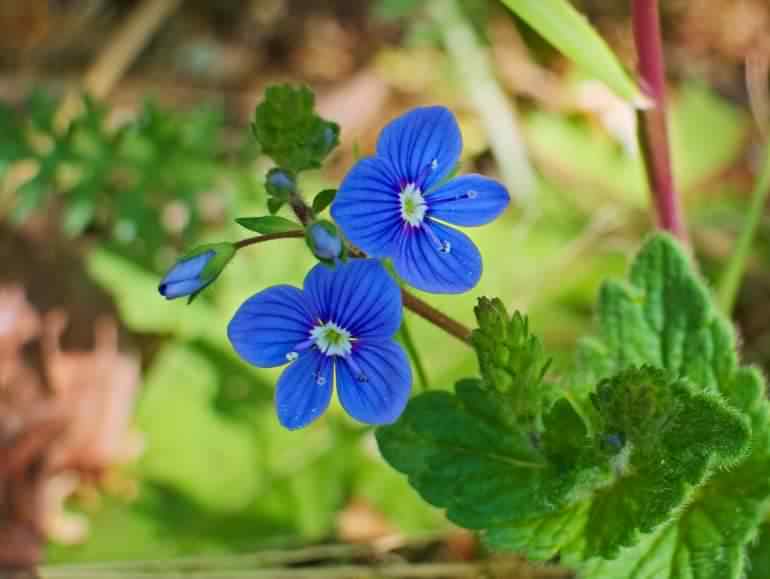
column 394, row 204
column 195, row 270
column 341, row 323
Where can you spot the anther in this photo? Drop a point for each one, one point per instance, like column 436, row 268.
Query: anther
column 359, row 374
column 442, row 246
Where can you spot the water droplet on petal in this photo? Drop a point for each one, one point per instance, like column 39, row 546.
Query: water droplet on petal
column 434, row 164
column 320, row 380
column 362, row 377
column 291, row 356
column 446, row 247
column 472, row 194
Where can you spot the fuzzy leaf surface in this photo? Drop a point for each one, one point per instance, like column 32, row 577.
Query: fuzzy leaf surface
column 290, row 132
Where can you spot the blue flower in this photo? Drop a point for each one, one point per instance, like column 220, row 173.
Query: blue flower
column 185, row 277
column 339, row 326
column 396, row 203
column 196, row 270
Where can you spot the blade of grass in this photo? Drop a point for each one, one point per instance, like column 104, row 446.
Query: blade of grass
column 731, row 278
column 558, row 22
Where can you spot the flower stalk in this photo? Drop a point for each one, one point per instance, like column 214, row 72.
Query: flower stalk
column 653, row 126
column 298, row 234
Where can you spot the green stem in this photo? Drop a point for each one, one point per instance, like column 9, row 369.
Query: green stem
column 298, row 234
column 414, row 354
column 736, row 267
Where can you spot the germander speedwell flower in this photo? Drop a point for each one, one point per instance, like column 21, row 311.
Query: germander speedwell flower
column 339, row 326
column 395, row 204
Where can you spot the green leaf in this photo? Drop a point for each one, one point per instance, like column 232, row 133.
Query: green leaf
column 269, row 224
column 660, row 470
column 570, row 32
column 665, row 317
column 323, row 200
column 289, row 131
column 673, row 436
column 465, row 452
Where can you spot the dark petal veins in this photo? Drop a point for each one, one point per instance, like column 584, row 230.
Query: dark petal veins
column 304, row 389
column 380, row 395
column 413, row 141
column 270, row 324
column 468, row 200
column 359, row 295
column 423, row 265
column 367, row 206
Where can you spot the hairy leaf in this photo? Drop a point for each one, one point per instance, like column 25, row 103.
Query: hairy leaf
column 465, row 452
column 290, row 132
column 665, row 318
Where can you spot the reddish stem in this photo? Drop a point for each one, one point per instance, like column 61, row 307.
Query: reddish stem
column 653, row 126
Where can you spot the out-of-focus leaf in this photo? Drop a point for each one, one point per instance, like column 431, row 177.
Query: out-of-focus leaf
column 570, row 32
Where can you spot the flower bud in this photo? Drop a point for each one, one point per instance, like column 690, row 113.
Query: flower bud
column 195, row 270
column 280, row 183
column 324, row 241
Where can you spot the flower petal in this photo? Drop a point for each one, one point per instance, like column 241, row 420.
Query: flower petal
column 178, row 289
column 468, row 200
column 304, row 390
column 270, row 324
column 423, row 145
column 380, row 398
column 358, row 295
column 423, row 265
column 189, row 268
column 367, row 207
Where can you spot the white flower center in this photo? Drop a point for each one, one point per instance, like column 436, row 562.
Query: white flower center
column 413, row 206
column 332, row 339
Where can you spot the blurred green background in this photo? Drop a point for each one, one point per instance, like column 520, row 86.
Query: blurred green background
column 99, row 196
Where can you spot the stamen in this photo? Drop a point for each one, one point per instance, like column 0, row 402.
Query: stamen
column 331, row 339
column 359, row 374
column 443, row 246
column 425, row 171
column 301, row 347
column 470, row 194
column 413, row 206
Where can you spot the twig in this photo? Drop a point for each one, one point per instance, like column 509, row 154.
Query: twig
column 507, row 567
column 298, row 234
column 653, row 128
column 436, row 317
